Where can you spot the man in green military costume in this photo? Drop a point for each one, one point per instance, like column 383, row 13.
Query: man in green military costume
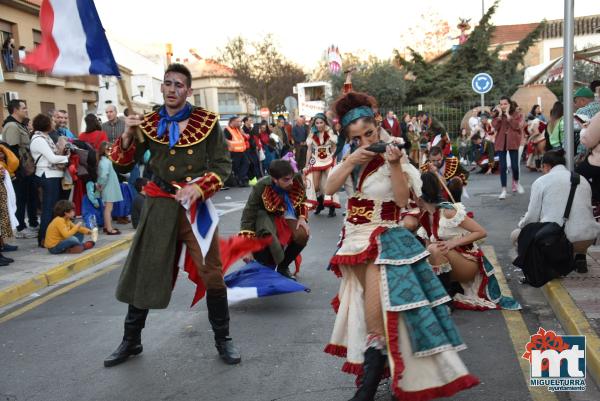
column 276, row 207
column 190, row 162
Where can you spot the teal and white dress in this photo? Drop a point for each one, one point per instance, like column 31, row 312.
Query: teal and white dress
column 107, row 178
column 481, row 293
column 422, row 340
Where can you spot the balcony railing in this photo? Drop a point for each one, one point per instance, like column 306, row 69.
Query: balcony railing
column 17, row 72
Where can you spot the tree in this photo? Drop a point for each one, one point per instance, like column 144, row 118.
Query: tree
column 451, row 82
column 379, row 78
column 261, row 70
column 429, row 35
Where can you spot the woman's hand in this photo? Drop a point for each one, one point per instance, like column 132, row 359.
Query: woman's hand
column 361, row 156
column 446, row 246
column 393, row 154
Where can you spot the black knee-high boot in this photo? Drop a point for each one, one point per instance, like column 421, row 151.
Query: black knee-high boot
column 218, row 316
column 291, row 252
column 373, row 368
column 320, row 204
column 132, row 337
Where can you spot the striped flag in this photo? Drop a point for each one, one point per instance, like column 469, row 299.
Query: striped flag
column 256, row 281
column 73, row 41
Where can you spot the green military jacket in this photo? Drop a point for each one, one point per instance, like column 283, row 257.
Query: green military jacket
column 264, row 204
column 147, row 277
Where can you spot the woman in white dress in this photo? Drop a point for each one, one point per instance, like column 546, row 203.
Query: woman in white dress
column 451, row 236
column 390, row 305
column 321, row 143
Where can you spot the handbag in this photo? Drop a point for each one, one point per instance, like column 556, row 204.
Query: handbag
column 544, row 251
column 27, row 164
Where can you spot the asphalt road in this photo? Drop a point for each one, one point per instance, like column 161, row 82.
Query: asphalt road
column 55, row 350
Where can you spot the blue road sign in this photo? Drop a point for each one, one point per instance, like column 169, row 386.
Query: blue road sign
column 482, row 83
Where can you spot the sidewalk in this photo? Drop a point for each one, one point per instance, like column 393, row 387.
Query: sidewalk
column 575, row 300
column 35, row 268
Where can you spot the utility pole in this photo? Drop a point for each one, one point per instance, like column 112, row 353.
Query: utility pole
column 568, row 34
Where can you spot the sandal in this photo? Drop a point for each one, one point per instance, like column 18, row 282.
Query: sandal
column 113, row 232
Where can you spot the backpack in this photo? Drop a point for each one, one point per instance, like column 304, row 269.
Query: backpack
column 544, row 251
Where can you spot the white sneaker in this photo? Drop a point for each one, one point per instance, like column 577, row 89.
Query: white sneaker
column 502, row 194
column 25, row 234
column 520, row 189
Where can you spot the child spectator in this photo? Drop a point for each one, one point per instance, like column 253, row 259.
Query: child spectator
column 108, row 184
column 138, row 202
column 92, row 207
column 64, row 236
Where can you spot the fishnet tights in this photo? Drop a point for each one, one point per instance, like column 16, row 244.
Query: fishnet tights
column 369, row 277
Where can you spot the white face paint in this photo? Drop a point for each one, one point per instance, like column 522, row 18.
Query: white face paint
column 175, row 90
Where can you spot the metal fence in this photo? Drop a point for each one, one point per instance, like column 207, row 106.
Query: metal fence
column 449, row 114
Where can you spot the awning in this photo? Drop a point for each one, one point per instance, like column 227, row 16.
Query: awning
column 553, row 70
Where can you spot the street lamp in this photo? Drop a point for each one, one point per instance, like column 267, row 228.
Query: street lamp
column 141, row 89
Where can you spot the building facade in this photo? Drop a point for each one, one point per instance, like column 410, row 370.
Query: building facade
column 142, row 77
column 215, row 88
column 19, row 20
column 550, row 44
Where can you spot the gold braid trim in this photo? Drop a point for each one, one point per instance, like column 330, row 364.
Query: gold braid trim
column 200, row 124
column 451, row 167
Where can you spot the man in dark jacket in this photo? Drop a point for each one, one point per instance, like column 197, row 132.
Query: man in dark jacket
column 276, row 208
column 16, row 135
column 190, row 161
column 299, row 134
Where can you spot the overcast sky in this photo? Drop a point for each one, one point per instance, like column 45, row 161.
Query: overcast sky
column 303, row 29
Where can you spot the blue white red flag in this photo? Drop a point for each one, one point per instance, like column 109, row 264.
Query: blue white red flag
column 255, row 281
column 203, row 218
column 73, row 41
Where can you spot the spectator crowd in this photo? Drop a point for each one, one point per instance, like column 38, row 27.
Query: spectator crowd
column 51, row 176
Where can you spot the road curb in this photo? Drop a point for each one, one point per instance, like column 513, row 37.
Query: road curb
column 574, row 323
column 58, row 273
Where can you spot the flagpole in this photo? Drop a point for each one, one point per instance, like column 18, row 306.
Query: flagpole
column 125, row 94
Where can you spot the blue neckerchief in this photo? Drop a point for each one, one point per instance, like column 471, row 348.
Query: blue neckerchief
column 289, row 206
column 172, row 122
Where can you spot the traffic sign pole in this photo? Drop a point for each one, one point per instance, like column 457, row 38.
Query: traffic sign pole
column 482, row 83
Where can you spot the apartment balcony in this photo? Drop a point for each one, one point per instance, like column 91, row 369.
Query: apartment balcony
column 47, row 80
column 76, row 83
column 20, row 76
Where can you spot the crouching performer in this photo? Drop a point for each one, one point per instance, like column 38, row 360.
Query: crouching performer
column 276, row 207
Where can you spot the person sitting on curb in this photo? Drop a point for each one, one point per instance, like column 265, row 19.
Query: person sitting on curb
column 549, row 195
column 276, row 207
column 64, row 236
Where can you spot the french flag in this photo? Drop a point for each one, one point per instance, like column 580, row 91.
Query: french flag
column 256, row 281
column 73, row 41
